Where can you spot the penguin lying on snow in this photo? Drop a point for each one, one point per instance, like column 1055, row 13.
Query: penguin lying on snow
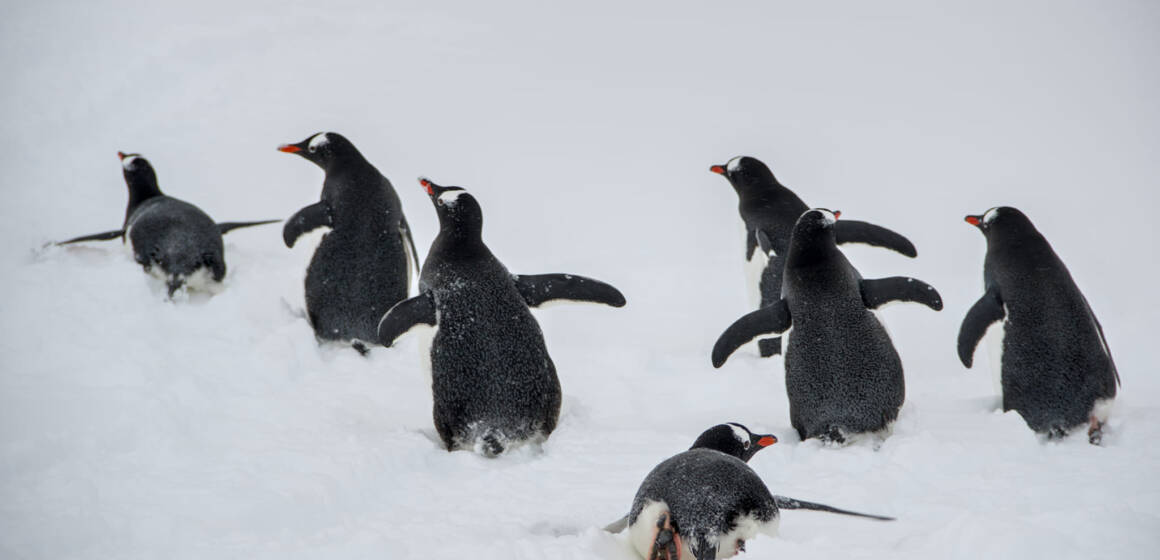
column 842, row 373
column 171, row 238
column 1056, row 369
column 494, row 384
column 706, row 502
column 769, row 209
column 362, row 266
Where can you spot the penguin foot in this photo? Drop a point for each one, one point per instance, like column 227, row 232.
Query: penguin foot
column 1095, row 431
column 360, row 346
column 667, row 542
column 769, row 347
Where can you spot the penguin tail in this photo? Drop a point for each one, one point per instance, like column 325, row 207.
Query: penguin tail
column 490, row 444
column 833, row 435
column 173, row 283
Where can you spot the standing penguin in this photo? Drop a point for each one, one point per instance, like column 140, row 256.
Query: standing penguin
column 362, row 266
column 842, row 373
column 172, row 239
column 494, row 384
column 769, row 210
column 1056, row 369
column 706, row 502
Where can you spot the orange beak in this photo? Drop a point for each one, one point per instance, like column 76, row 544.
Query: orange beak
column 837, row 214
column 426, row 186
column 717, row 169
column 289, row 148
column 767, row 441
column 121, row 155
column 973, row 220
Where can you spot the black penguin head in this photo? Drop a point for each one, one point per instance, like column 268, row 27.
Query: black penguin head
column 746, row 174
column 733, row 439
column 139, row 177
column 816, row 223
column 323, row 149
column 458, row 211
column 1001, row 220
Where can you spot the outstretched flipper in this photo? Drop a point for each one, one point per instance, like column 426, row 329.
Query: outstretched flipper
column 409, row 247
column 879, row 291
column 854, row 231
column 617, row 526
column 103, row 236
column 225, row 227
column 305, row 220
column 404, row 316
column 769, row 319
column 538, row 289
column 987, row 310
column 790, row 503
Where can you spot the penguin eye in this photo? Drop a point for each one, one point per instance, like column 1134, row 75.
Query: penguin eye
column 439, row 201
column 747, row 445
column 312, row 148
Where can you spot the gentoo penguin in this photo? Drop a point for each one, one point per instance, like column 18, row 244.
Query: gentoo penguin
column 769, row 210
column 172, row 239
column 494, row 384
column 706, row 502
column 362, row 266
column 1056, row 369
column 842, row 373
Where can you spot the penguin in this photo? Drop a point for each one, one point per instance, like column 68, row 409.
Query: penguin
column 769, row 209
column 494, row 384
column 362, row 267
column 842, row 373
column 705, row 503
column 1055, row 369
column 171, row 238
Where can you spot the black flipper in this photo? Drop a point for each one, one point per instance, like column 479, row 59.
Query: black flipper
column 899, row 288
column 405, row 231
column 987, row 310
column 764, row 242
column 1103, row 339
column 404, row 315
column 790, row 503
column 103, row 236
column 307, row 219
column 538, row 289
column 854, row 231
column 769, row 319
column 225, row 227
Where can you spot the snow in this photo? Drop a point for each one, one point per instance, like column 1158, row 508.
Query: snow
column 133, row 427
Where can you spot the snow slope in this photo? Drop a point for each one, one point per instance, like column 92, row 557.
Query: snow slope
column 131, row 427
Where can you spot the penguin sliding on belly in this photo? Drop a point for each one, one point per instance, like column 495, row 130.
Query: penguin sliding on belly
column 842, row 373
column 769, row 210
column 362, row 266
column 706, row 502
column 494, row 384
column 1056, row 370
column 172, row 239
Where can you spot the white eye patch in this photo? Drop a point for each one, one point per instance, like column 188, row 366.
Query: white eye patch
column 318, row 141
column 127, row 161
column 733, row 164
column 990, row 215
column 740, row 433
column 828, row 217
column 450, row 198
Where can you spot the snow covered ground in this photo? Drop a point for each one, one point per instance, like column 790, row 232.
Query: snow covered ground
column 131, row 427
